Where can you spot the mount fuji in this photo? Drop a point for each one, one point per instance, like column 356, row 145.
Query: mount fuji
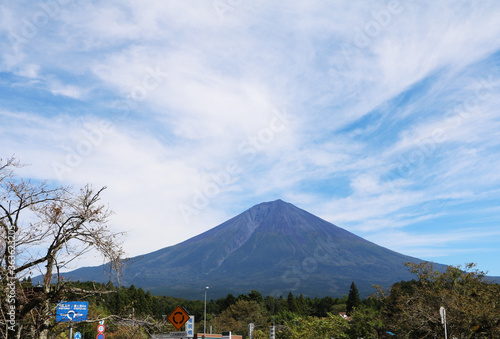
column 274, row 248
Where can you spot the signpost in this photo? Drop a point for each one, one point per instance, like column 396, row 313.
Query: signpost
column 178, row 317
column 181, row 334
column 190, row 327
column 251, row 327
column 72, row 311
column 100, row 329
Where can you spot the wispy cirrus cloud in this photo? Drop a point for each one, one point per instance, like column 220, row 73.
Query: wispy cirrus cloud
column 391, row 111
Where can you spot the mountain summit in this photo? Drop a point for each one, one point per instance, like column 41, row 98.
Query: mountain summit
column 273, row 247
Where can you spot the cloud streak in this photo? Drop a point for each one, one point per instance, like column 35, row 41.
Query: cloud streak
column 391, row 113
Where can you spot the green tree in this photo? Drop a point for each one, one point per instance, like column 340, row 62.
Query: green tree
column 353, row 300
column 366, row 323
column 259, row 334
column 255, row 296
column 332, row 326
column 291, row 303
column 471, row 302
column 303, row 305
column 225, row 303
column 324, row 306
column 237, row 317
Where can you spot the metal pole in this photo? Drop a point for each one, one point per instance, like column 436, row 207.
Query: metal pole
column 205, row 316
column 71, row 330
column 442, row 313
column 445, row 331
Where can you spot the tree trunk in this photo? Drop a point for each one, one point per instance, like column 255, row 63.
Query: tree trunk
column 12, row 324
column 45, row 309
column 14, row 332
column 44, row 333
column 19, row 330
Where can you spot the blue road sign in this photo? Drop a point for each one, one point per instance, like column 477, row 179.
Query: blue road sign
column 72, row 311
column 78, row 335
column 100, row 336
column 190, row 326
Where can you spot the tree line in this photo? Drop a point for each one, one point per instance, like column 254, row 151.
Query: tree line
column 44, row 228
column 408, row 309
column 132, row 310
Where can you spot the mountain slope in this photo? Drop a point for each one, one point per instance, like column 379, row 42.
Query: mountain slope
column 273, row 247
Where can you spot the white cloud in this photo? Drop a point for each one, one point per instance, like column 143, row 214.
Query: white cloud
column 387, row 114
column 65, row 90
column 433, row 244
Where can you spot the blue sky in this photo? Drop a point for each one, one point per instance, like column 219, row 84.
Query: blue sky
column 382, row 117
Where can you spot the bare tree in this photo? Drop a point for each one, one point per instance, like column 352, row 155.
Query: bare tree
column 43, row 229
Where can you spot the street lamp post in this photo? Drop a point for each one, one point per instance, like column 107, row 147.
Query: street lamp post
column 205, row 316
column 442, row 312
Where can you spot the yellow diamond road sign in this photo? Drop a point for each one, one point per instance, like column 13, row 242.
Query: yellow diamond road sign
column 178, row 317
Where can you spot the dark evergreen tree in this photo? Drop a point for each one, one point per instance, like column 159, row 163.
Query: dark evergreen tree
column 291, row 303
column 280, row 304
column 255, row 295
column 225, row 303
column 302, row 305
column 323, row 306
column 353, row 300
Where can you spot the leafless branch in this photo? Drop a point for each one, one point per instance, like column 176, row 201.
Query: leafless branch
column 61, row 225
